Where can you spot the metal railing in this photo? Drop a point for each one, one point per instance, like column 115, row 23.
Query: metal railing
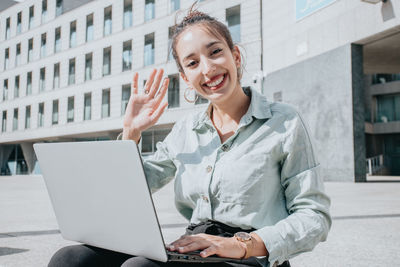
column 374, row 164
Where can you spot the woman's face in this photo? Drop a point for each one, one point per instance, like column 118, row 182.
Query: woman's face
column 209, row 65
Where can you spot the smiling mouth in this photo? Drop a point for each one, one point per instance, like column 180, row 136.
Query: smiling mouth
column 216, row 83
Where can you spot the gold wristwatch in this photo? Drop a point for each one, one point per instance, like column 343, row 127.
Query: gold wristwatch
column 247, row 239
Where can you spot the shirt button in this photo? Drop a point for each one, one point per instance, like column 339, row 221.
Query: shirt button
column 205, row 199
column 209, row 168
column 225, row 147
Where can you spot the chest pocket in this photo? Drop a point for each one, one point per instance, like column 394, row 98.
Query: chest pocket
column 243, row 180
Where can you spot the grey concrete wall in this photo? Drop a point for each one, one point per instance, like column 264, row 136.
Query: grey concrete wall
column 321, row 89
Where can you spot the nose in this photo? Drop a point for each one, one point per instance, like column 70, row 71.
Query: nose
column 207, row 66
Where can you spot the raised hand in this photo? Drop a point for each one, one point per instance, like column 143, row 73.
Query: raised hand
column 144, row 110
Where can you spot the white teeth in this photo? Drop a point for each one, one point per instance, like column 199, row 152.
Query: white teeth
column 217, row 82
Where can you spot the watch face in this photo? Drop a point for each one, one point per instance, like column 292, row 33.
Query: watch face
column 243, row 236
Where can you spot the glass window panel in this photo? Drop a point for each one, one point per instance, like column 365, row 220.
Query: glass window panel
column 87, row 111
column 89, row 27
column 71, row 73
column 70, row 109
column 30, row 49
column 31, row 16
column 54, row 117
column 127, row 13
column 5, row 89
column 233, row 20
column 127, row 56
column 170, row 34
column 56, row 77
column 43, row 46
column 18, row 55
column 175, row 5
column 88, row 67
column 149, row 49
column 147, row 142
column 385, row 112
column 126, row 94
column 16, row 87
column 8, row 28
column 105, row 103
column 57, row 40
column 29, row 83
column 4, row 122
column 41, row 115
column 173, row 91
column 44, row 11
column 149, row 12
column 59, row 7
column 107, row 20
column 15, row 120
column 19, row 22
column 42, row 80
column 6, row 58
column 107, row 61
column 72, row 34
column 28, row 117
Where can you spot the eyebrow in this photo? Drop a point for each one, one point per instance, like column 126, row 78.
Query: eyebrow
column 207, row 46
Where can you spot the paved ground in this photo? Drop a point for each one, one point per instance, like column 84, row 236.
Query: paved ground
column 365, row 230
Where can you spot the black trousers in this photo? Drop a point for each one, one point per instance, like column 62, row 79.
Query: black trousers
column 88, row 256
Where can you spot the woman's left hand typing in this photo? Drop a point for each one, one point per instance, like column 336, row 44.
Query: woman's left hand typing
column 227, row 247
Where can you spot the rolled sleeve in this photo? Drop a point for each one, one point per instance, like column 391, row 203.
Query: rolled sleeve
column 307, row 204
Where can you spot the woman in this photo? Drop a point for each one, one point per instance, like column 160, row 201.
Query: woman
column 245, row 165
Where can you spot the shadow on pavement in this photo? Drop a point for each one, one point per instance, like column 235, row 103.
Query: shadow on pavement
column 8, row 251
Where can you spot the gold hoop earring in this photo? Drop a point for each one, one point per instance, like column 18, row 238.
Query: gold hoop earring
column 188, row 89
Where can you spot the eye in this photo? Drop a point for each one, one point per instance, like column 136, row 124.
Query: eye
column 191, row 64
column 216, row 51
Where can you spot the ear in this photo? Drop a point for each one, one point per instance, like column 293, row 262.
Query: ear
column 184, row 78
column 236, row 56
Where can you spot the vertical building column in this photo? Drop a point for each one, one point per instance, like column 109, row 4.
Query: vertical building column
column 357, row 75
column 29, row 155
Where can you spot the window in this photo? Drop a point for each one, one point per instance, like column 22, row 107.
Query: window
column 4, row 122
column 126, row 94
column 29, row 83
column 127, row 56
column 71, row 71
column 28, row 117
column 41, row 115
column 31, row 16
column 70, row 109
column 56, row 76
column 149, row 10
column 173, row 91
column 170, row 34
column 15, row 120
column 72, row 34
column 42, row 80
column 8, row 28
column 87, row 111
column 149, row 49
column 54, row 117
column 150, row 139
column 59, row 7
column 106, row 61
column 5, row 90
column 18, row 54
column 388, row 108
column 19, row 22
column 105, row 103
column 43, row 46
column 127, row 13
column 30, row 49
column 175, row 5
column 233, row 20
column 88, row 67
column 57, row 40
column 107, row 20
column 89, row 27
column 44, row 11
column 16, row 87
column 6, row 58
column 385, row 78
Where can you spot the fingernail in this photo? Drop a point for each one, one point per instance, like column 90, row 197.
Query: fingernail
column 180, row 248
column 202, row 254
column 171, row 247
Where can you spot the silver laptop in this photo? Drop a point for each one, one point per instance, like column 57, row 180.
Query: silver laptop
column 100, row 197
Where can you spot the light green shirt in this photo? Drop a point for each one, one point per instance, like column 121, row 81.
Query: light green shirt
column 265, row 176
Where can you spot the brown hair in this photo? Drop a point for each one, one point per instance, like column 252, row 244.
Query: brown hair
column 212, row 25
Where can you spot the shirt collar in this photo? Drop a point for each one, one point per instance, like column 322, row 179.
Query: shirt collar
column 259, row 108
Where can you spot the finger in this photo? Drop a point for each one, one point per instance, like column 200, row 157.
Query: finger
column 199, row 244
column 185, row 239
column 149, row 82
column 156, row 84
column 160, row 96
column 158, row 112
column 135, row 83
column 212, row 250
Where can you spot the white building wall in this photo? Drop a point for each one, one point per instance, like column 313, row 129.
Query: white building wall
column 287, row 41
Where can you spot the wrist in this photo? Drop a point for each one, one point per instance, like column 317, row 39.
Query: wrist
column 246, row 242
column 128, row 134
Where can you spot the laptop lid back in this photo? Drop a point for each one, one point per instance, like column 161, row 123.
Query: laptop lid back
column 100, row 196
